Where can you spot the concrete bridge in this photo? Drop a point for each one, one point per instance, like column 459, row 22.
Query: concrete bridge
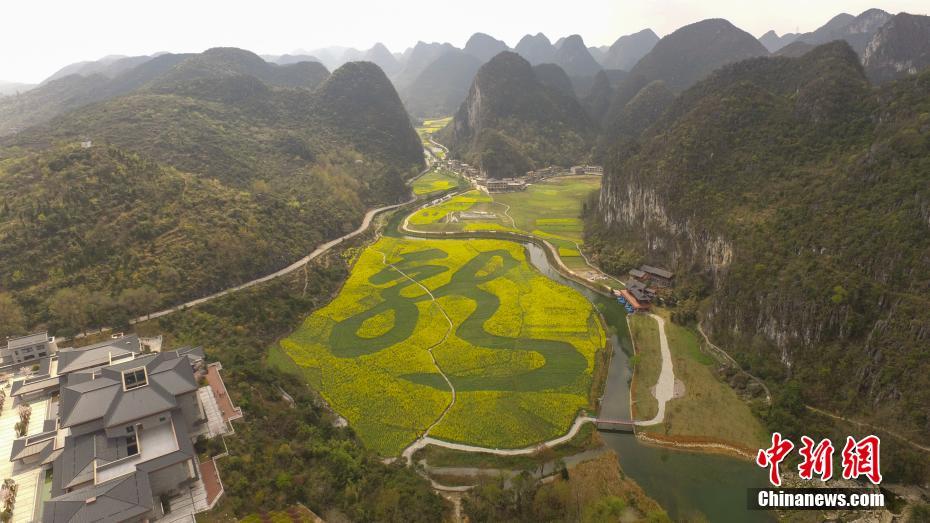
column 616, row 425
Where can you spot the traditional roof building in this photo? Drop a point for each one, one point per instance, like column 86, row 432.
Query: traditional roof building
column 119, row 437
column 662, row 277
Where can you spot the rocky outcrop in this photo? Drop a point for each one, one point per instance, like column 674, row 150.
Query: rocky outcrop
column 900, row 48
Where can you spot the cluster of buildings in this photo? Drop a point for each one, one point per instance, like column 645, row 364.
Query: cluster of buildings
column 110, row 430
column 643, row 286
column 495, row 185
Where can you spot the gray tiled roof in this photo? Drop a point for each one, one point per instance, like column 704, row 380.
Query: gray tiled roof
column 169, row 375
column 114, row 501
column 29, row 339
column 73, row 359
column 657, row 271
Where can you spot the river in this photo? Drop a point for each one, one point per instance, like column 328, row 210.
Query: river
column 686, row 484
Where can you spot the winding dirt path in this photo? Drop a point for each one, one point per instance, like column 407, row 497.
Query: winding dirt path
column 726, row 356
column 665, row 386
column 506, row 213
column 433, row 346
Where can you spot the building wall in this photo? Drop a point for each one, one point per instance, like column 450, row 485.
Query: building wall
column 31, row 352
column 150, row 421
column 170, row 478
column 190, row 408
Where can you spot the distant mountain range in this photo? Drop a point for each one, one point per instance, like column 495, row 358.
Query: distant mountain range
column 7, row 88
column 855, row 30
column 433, row 78
column 628, row 50
column 889, row 47
column 685, row 56
column 620, row 105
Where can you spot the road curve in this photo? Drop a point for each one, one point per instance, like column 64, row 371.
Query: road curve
column 408, row 452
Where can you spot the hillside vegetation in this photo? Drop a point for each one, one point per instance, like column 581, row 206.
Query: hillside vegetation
column 512, row 121
column 206, row 178
column 795, row 198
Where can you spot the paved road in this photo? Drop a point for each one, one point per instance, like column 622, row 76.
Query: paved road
column 665, row 387
column 428, row 440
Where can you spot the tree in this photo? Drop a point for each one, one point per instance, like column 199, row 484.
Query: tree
column 140, row 300
column 608, row 508
column 68, row 308
column 12, row 319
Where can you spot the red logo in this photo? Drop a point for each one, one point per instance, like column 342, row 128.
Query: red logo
column 817, row 460
column 860, row 458
column 774, row 455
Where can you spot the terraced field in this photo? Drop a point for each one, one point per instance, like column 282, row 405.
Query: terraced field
column 518, row 348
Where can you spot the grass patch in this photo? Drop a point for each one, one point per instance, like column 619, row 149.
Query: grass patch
column 520, row 354
column 709, row 408
column 550, row 210
column 552, row 207
column 438, row 213
column 648, row 364
column 436, row 180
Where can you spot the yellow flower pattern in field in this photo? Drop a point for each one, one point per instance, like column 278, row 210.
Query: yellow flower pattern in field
column 377, row 325
column 504, row 419
column 521, row 372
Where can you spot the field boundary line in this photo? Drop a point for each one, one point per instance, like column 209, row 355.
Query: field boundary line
column 438, row 343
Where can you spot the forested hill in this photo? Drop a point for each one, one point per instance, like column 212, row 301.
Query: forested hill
column 692, row 52
column 512, row 121
column 64, row 94
column 194, row 185
column 795, row 198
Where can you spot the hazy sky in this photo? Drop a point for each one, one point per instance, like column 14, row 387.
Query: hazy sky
column 37, row 37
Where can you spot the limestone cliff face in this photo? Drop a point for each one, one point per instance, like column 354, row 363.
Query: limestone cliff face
column 799, row 195
column 634, row 206
column 900, row 48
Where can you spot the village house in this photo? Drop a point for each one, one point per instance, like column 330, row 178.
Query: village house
column 657, row 275
column 118, row 432
column 505, row 185
column 24, row 349
column 637, row 295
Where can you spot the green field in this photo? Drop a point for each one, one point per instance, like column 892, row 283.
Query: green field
column 520, row 351
column 549, row 210
column 436, row 180
column 648, row 364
